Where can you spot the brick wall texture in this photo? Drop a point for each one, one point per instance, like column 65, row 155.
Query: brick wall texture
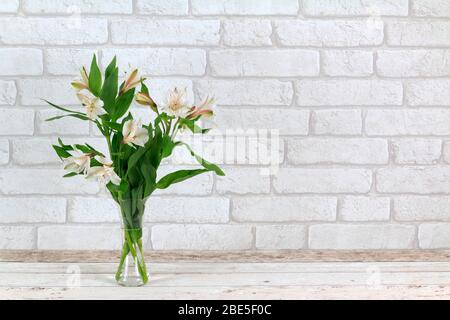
column 359, row 91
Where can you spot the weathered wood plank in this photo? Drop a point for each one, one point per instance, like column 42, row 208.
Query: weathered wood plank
column 228, row 267
column 234, row 256
column 28, row 280
column 238, row 293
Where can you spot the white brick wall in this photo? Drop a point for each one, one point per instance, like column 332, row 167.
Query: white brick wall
column 359, row 92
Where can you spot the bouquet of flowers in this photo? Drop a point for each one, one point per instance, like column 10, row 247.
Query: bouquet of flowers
column 136, row 149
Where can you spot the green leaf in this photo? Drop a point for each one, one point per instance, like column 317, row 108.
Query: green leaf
column 135, row 157
column 144, row 88
column 72, row 174
column 95, row 77
column 123, row 104
column 149, row 174
column 88, row 149
column 134, row 177
column 95, row 151
column 78, row 116
column 96, row 163
column 109, row 90
column 178, row 176
column 63, row 109
column 61, row 152
column 207, row 165
column 111, row 67
column 82, row 148
column 65, row 146
column 112, row 125
column 167, row 146
column 192, row 126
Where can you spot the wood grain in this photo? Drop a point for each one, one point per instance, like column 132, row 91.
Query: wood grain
column 233, row 256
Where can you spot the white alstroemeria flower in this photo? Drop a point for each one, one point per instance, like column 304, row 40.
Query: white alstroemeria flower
column 144, row 99
column 104, row 174
column 204, row 109
column 176, row 103
column 133, row 133
column 132, row 81
column 79, row 162
column 93, row 104
column 83, row 83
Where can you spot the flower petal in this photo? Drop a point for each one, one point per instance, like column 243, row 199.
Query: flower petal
column 95, row 172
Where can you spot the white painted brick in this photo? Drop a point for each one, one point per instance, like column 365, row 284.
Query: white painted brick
column 16, row 122
column 324, row 8
column 249, row 54
column 188, row 210
column 79, row 237
column 20, row 61
column 413, row 63
column 247, row 32
column 93, row 210
column 166, row 7
column 71, row 7
column 199, row 185
column 420, row 208
column 201, row 237
column 62, row 126
column 63, row 61
column 225, row 148
column 357, row 236
column 431, row 8
column 167, row 32
column 9, row 6
column 263, row 63
column 349, row 92
column 434, row 236
column 446, row 151
column 344, row 150
column 158, row 209
column 32, row 210
column 324, row 33
column 8, row 92
column 43, row 181
column 417, row 151
column 4, row 151
column 421, row 180
column 287, row 121
column 365, row 209
column 284, row 237
column 246, row 7
column 17, row 237
column 418, row 33
column 243, row 181
column 430, row 92
column 284, row 209
column 404, row 122
column 58, row 91
column 336, row 180
column 53, row 31
column 352, row 63
column 247, row 92
column 337, row 122
column 159, row 62
column 39, row 151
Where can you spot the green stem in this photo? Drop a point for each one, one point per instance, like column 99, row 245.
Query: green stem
column 125, row 252
column 175, row 129
column 140, row 264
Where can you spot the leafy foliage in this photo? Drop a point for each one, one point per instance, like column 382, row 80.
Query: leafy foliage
column 134, row 159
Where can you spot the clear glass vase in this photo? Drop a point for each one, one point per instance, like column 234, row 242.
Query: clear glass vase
column 132, row 271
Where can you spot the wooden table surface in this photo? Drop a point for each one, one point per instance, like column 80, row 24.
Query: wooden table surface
column 219, row 275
